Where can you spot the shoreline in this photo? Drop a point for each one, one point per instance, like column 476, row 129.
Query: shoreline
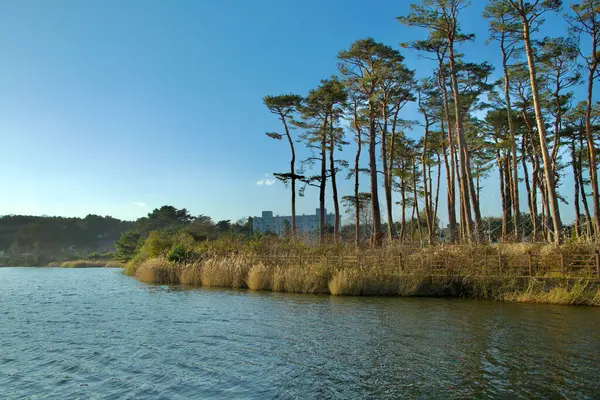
column 85, row 264
column 331, row 278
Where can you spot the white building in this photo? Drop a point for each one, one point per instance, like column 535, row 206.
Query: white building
column 279, row 224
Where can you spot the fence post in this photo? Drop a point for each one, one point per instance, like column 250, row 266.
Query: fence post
column 597, row 263
column 530, row 263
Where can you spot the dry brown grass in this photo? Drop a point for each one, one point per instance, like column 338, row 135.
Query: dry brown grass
column 260, row 277
column 114, row 264
column 228, row 272
column 158, row 270
column 83, row 264
column 191, row 274
column 580, row 292
column 54, row 264
column 363, row 282
column 476, row 271
column 301, row 279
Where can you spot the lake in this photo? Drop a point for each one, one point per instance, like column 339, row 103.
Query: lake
column 94, row 333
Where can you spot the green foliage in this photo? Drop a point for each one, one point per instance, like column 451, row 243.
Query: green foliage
column 128, row 245
column 282, row 105
column 47, row 237
column 179, row 253
column 164, row 218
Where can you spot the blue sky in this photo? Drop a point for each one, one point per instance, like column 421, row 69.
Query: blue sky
column 117, row 107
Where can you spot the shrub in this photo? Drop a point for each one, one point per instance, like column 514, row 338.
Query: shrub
column 179, row 253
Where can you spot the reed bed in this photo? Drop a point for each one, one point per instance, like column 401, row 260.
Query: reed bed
column 228, row 272
column 190, row 274
column 579, row 292
column 114, row 264
column 477, row 271
column 84, row 264
column 158, row 270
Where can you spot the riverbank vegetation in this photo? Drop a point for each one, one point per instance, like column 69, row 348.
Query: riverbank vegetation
column 86, row 264
column 36, row 241
column 514, row 272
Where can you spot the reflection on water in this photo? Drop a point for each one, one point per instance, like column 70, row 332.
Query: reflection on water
column 96, row 333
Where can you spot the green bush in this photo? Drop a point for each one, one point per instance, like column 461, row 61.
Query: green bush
column 179, row 253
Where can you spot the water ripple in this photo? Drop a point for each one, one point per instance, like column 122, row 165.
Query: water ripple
column 96, row 334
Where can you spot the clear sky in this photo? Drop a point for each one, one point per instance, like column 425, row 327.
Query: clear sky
column 117, row 107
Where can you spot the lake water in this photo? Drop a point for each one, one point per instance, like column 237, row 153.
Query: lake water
column 94, row 333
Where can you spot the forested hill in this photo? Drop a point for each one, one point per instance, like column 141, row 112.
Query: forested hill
column 55, row 236
column 31, row 240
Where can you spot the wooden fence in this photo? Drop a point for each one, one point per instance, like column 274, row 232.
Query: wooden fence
column 528, row 265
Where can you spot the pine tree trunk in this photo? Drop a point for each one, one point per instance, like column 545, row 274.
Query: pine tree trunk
column 437, row 189
column 528, row 189
column 450, row 168
column 463, row 222
column 427, row 204
column 508, row 193
column 592, row 151
column 513, row 146
column 323, row 182
column 576, row 184
column 375, row 210
column 466, row 182
column 531, row 189
column 336, row 203
column 588, row 219
column 391, row 155
column 502, row 193
column 415, row 194
column 387, row 185
column 549, row 176
column 403, row 223
column 292, row 173
column 356, row 176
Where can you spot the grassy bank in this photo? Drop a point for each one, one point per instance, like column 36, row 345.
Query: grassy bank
column 86, row 264
column 524, row 273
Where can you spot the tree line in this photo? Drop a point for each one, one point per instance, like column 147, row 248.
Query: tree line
column 527, row 126
column 34, row 240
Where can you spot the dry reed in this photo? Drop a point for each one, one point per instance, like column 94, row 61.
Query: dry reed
column 228, row 272
column 158, row 270
column 114, row 264
column 191, row 274
column 83, row 264
column 476, row 271
column 260, row 277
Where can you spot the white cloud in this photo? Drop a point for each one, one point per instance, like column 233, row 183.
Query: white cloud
column 266, row 181
column 140, row 204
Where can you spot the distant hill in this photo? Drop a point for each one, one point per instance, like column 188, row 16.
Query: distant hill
column 52, row 236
